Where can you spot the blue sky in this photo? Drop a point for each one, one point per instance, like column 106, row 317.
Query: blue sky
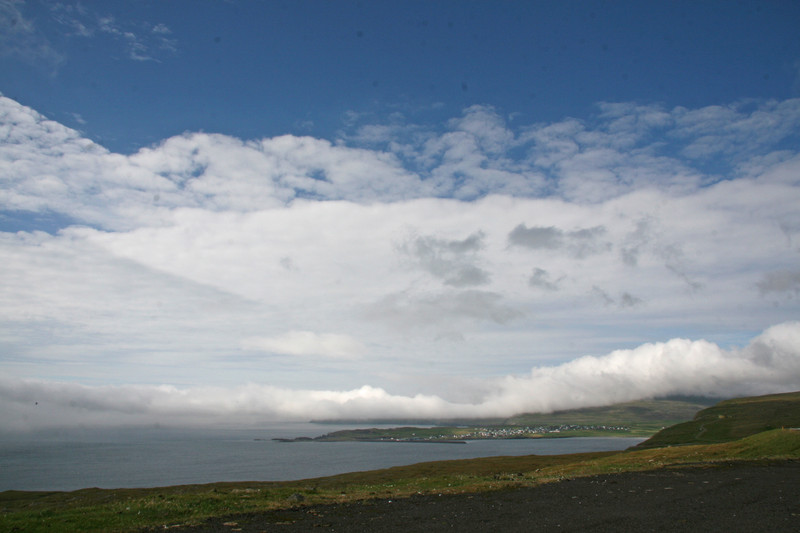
column 242, row 211
column 137, row 73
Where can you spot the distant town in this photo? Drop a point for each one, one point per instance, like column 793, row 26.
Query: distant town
column 512, row 432
column 460, row 435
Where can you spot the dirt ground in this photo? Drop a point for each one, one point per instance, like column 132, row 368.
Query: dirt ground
column 730, row 498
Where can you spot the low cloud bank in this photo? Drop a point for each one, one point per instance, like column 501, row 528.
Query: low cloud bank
column 769, row 363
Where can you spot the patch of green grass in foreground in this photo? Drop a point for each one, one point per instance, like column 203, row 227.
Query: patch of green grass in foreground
column 131, row 509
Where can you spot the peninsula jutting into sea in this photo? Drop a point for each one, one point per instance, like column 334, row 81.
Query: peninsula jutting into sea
column 632, row 419
column 459, row 435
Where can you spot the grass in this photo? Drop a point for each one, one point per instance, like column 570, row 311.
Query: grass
column 131, row 509
column 643, row 417
column 732, row 419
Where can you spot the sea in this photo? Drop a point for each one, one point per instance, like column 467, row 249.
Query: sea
column 64, row 460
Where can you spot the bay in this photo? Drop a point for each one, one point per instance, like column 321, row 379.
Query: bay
column 152, row 457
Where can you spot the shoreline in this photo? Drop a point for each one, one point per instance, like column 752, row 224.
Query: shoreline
column 411, row 441
column 461, row 434
column 150, row 475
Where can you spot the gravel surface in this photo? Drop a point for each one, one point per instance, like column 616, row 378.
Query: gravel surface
column 730, row 498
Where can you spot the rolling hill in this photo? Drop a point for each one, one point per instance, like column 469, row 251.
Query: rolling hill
column 732, row 419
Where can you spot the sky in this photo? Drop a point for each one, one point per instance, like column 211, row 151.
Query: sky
column 245, row 212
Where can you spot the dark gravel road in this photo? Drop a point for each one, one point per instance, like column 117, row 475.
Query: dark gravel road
column 730, row 498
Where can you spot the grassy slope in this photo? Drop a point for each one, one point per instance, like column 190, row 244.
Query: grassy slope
column 622, row 413
column 642, row 418
column 129, row 509
column 732, row 419
column 644, row 411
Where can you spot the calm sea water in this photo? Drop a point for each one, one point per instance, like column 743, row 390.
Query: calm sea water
column 152, row 457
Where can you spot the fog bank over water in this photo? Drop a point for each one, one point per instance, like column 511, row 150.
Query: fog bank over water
column 769, row 363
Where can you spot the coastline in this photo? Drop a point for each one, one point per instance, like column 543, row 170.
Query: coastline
column 461, row 434
column 134, row 460
column 409, row 441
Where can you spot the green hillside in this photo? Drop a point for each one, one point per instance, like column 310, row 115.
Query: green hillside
column 732, row 419
column 663, row 411
column 631, row 419
column 646, row 416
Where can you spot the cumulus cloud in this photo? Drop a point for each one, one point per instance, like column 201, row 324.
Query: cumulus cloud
column 737, row 129
column 47, row 166
column 769, row 363
column 578, row 161
column 307, row 343
column 467, row 161
column 486, row 127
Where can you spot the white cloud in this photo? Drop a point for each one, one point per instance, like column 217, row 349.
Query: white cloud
column 738, row 129
column 142, row 41
column 769, row 363
column 46, row 166
column 307, row 343
column 486, row 127
column 478, row 250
